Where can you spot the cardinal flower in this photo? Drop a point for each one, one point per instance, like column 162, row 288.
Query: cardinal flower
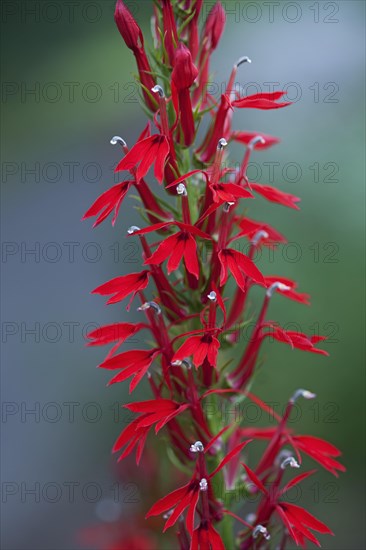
column 121, row 287
column 297, row 340
column 248, row 137
column 131, row 363
column 240, row 267
column 156, row 411
column 261, row 101
column 287, row 288
column 295, row 518
column 145, row 153
column 268, row 236
column 275, row 195
column 188, row 495
column 117, row 332
column 229, row 192
column 205, row 537
column 107, row 202
column 181, row 245
column 200, row 347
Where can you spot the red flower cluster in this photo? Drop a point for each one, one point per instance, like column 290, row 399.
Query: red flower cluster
column 195, row 305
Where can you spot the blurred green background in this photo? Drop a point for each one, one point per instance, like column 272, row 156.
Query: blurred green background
column 67, row 89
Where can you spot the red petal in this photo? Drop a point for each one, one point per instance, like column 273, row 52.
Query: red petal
column 229, row 456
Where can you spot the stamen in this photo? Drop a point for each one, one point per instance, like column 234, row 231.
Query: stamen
column 242, row 60
column 260, row 530
column 197, row 447
column 158, row 90
column 290, row 461
column 212, row 296
column 227, row 206
column 131, row 230
column 181, row 189
column 168, row 514
column 203, row 484
column 221, row 144
column 282, row 455
column 148, row 305
column 186, row 362
column 302, row 393
column 118, row 139
column 253, row 142
column 261, row 234
column 277, row 285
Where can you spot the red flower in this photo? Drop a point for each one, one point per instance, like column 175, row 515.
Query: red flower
column 153, row 149
column 132, row 363
column 295, row 519
column 249, row 228
column 275, row 195
column 319, row 450
column 205, row 537
column 155, row 411
column 117, row 332
column 177, row 246
column 183, row 76
column 121, row 287
column 247, row 137
column 297, row 340
column 188, row 495
column 240, row 267
column 107, row 202
column 290, row 292
column 201, row 347
column 229, row 192
column 261, row 101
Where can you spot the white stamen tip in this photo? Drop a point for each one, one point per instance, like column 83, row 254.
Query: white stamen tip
column 168, row 514
column 176, row 363
column 148, row 305
column 118, row 139
column 197, row 447
column 222, row 143
column 261, row 234
column 203, row 484
column 131, row 230
column 227, row 206
column 290, row 461
column 212, row 296
column 260, row 530
column 242, row 60
column 302, row 393
column 158, row 90
column 257, row 139
column 181, row 189
column 277, row 286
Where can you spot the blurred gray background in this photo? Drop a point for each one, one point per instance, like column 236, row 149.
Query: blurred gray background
column 67, row 89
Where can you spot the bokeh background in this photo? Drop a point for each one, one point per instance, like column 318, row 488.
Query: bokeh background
column 67, row 88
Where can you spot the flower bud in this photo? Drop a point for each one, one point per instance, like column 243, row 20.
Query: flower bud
column 127, row 26
column 184, row 72
column 215, row 25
